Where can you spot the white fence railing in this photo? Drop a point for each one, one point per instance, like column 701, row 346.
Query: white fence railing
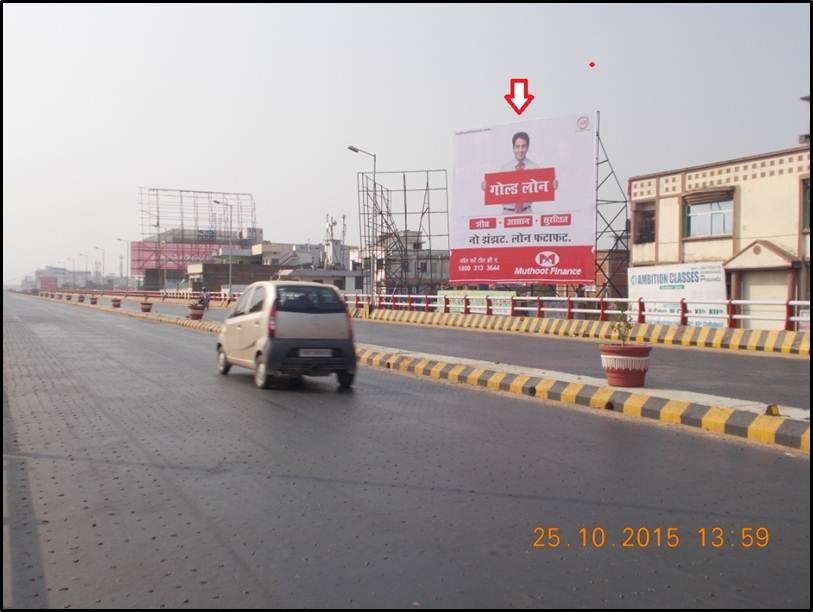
column 793, row 314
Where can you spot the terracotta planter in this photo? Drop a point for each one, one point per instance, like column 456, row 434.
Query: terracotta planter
column 196, row 313
column 116, row 302
column 93, row 300
column 625, row 365
column 146, row 306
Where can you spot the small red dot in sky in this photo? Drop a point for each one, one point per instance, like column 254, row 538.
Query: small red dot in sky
column 592, row 64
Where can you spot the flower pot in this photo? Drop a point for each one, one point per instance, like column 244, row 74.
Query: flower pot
column 146, row 306
column 68, row 297
column 93, row 300
column 116, row 302
column 625, row 365
column 80, row 299
column 196, row 313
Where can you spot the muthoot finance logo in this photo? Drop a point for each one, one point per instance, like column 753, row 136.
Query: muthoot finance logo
column 547, row 266
column 546, row 259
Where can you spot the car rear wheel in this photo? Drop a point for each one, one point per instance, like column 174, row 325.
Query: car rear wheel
column 345, row 379
column 223, row 366
column 261, row 376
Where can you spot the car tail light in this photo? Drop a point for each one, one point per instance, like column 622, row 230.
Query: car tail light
column 272, row 320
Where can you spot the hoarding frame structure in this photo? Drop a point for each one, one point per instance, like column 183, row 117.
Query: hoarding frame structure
column 384, row 231
column 611, row 229
column 187, row 218
column 610, row 213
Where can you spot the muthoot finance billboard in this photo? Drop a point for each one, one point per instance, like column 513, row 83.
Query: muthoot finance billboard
column 524, row 203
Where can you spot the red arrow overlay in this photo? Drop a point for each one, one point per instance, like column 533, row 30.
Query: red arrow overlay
column 519, row 98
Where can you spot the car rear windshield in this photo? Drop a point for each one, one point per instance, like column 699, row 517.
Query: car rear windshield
column 308, row 299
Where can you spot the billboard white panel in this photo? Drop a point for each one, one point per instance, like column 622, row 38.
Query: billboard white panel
column 695, row 282
column 523, row 208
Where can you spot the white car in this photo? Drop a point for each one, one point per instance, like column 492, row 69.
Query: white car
column 284, row 328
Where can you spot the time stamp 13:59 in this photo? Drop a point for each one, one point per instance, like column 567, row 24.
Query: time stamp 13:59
column 652, row 537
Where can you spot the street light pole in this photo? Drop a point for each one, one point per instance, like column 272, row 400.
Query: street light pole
column 127, row 260
column 230, row 249
column 86, row 268
column 375, row 207
column 102, row 250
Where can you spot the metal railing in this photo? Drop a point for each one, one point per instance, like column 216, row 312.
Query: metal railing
column 790, row 313
column 214, row 296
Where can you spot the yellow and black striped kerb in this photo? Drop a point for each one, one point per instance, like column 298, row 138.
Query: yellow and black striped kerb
column 755, row 340
column 760, row 428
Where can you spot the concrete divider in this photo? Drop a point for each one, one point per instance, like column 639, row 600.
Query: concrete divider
column 754, row 340
column 636, row 403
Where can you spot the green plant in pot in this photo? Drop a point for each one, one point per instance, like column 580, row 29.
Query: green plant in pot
column 195, row 311
column 626, row 363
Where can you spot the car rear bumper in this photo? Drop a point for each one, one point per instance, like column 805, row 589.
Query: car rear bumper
column 283, row 356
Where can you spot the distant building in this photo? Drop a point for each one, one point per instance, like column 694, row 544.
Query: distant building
column 63, row 277
column 289, row 255
column 348, row 281
column 751, row 214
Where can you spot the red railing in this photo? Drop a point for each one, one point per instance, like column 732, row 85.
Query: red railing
column 793, row 314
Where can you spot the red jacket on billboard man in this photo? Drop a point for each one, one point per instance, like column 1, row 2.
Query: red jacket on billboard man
column 532, row 191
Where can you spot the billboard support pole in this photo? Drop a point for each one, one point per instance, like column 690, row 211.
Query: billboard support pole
column 612, row 226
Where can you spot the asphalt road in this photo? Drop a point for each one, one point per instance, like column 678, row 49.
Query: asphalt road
column 136, row 476
column 769, row 379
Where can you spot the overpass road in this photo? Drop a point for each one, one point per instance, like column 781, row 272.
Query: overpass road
column 136, row 476
column 769, row 379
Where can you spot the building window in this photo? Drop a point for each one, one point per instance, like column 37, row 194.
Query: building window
column 424, row 267
column 806, row 205
column 712, row 217
column 645, row 223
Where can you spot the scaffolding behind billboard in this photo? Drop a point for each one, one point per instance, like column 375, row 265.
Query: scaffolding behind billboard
column 404, row 230
column 183, row 226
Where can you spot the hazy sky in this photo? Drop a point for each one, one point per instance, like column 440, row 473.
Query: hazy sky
column 98, row 100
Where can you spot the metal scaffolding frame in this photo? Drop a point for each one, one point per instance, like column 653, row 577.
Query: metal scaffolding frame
column 186, row 218
column 612, row 226
column 392, row 240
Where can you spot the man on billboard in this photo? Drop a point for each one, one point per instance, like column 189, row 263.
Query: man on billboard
column 520, row 143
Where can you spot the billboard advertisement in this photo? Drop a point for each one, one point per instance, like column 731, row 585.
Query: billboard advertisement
column 669, row 284
column 171, row 255
column 524, row 203
column 48, row 283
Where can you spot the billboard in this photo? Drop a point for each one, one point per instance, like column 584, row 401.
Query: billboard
column 695, row 282
column 48, row 283
column 171, row 255
column 524, row 203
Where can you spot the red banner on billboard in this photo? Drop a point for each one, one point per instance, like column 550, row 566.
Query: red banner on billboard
column 170, row 255
column 48, row 283
column 483, row 223
column 520, row 186
column 537, row 264
column 523, row 221
column 556, row 220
